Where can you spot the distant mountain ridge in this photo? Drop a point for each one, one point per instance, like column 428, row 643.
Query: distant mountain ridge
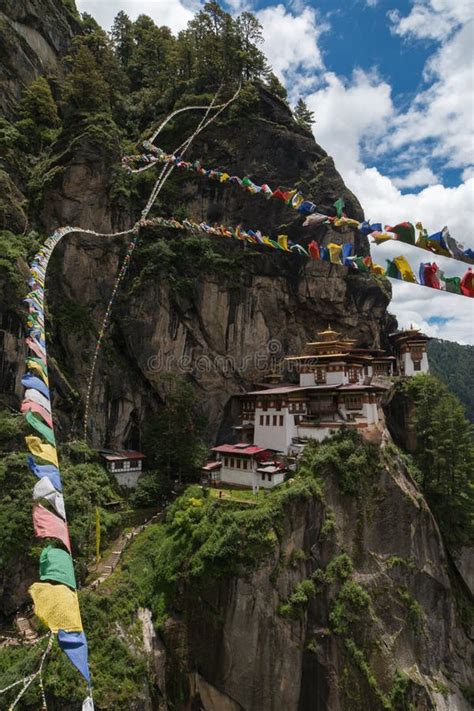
column 453, row 364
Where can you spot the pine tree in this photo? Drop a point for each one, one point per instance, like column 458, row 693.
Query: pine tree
column 303, row 116
column 123, row 39
column 38, row 115
column 85, row 88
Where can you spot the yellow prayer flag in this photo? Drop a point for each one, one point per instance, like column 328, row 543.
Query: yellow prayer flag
column 377, row 269
column 283, row 242
column 224, row 177
column 343, row 221
column 38, row 369
column 41, row 450
column 335, row 252
column 57, row 606
column 404, row 269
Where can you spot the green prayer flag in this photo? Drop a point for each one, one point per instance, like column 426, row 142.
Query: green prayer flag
column 405, row 232
column 40, row 363
column 40, row 427
column 361, row 265
column 453, row 285
column 246, row 181
column 339, row 205
column 392, row 270
column 55, row 564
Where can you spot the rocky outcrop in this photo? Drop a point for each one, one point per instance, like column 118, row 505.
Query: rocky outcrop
column 231, row 641
column 34, row 36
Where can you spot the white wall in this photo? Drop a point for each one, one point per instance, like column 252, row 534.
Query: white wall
column 242, row 477
column 317, row 433
column 128, row 479
column 275, row 480
column 408, row 363
column 276, row 437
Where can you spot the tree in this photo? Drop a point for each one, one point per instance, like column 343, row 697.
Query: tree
column 172, row 438
column 85, row 88
column 445, row 457
column 38, row 115
column 123, row 39
column 276, row 87
column 303, row 116
column 252, row 60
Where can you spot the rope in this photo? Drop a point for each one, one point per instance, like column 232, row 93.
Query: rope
column 28, row 680
column 162, row 178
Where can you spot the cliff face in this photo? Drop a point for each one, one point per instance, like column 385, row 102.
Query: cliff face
column 400, row 647
column 34, row 34
column 222, row 332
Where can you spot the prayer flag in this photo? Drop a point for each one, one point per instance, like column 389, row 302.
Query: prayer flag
column 44, row 489
column 27, row 405
column 392, row 270
column 283, row 242
column 43, row 451
column 30, row 381
column 57, row 606
column 335, row 252
column 453, row 285
column 380, row 237
column 42, row 470
column 405, row 232
column 313, row 249
column 40, row 427
column 74, row 645
column 430, row 276
column 405, row 270
column 315, row 219
column 467, row 283
column 48, row 525
column 35, row 396
column 437, row 244
column 32, row 365
column 339, row 205
column 55, row 564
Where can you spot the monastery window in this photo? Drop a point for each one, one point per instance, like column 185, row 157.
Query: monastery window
column 269, row 477
column 267, row 420
column 226, row 461
column 352, row 374
column 232, row 462
column 417, row 365
column 263, row 477
column 278, row 405
column 237, row 462
column 281, row 420
column 353, row 402
column 274, row 420
column 320, row 375
column 261, row 420
column 244, row 464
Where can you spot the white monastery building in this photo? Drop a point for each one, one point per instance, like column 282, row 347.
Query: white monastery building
column 339, row 385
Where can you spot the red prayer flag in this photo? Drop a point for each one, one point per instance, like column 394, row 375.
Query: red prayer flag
column 313, row 249
column 48, row 525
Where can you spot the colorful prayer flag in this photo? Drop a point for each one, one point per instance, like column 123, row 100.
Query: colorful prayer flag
column 57, row 606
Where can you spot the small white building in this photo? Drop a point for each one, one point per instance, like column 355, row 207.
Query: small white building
column 244, row 465
column 411, row 348
column 125, row 465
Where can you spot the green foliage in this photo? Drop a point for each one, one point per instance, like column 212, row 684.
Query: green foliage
column 444, row 456
column 172, row 437
column 303, row 116
column 151, row 488
column 296, row 604
column 329, row 524
column 346, row 457
column 415, row 612
column 39, row 119
column 85, row 88
column 351, row 600
column 452, row 364
column 359, row 659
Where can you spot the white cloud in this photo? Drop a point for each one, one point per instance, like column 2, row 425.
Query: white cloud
column 349, row 114
column 416, row 178
column 443, row 113
column 431, row 19
column 173, row 13
column 291, row 43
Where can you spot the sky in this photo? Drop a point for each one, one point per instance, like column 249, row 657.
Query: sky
column 391, row 86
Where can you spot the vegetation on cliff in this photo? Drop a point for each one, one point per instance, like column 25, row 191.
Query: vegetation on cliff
column 452, row 364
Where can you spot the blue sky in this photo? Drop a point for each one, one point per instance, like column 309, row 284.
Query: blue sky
column 391, row 86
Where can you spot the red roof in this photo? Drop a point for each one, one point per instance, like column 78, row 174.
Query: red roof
column 246, row 450
column 121, row 455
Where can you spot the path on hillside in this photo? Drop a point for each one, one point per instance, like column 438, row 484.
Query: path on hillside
column 107, row 566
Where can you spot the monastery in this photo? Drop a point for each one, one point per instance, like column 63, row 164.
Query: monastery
column 339, row 385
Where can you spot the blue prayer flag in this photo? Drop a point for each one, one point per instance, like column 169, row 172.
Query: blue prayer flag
column 49, row 470
column 30, row 381
column 74, row 645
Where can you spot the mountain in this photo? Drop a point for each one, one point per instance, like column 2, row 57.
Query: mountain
column 336, row 591
column 452, row 363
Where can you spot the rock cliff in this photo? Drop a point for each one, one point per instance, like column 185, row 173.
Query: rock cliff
column 380, row 632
